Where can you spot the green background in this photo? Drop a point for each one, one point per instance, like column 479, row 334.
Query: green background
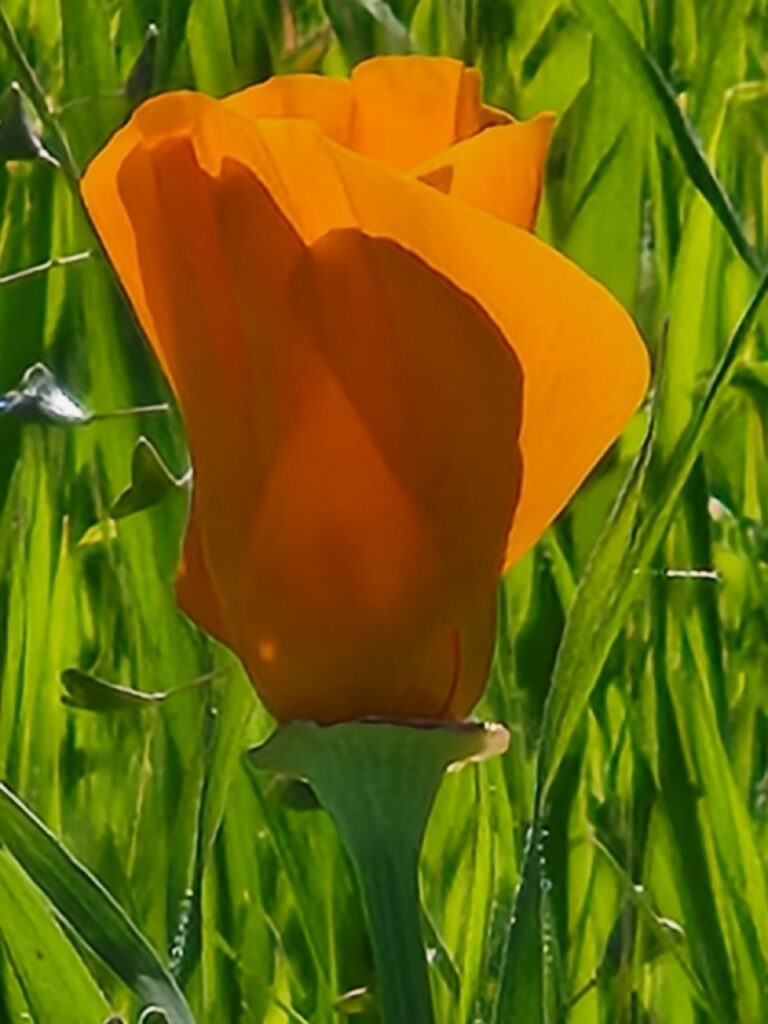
column 632, row 644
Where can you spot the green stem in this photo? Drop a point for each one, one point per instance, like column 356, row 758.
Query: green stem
column 378, row 781
column 389, row 887
column 381, row 819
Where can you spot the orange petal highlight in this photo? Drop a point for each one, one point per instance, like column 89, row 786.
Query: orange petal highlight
column 407, row 108
column 501, row 170
column 327, row 102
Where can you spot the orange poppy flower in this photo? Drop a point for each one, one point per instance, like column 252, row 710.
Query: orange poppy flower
column 390, row 386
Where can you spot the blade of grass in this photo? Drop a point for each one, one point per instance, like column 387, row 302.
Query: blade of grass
column 88, row 909
column 679, row 797
column 32, row 87
column 366, row 27
column 54, row 978
column 610, row 579
column 644, row 74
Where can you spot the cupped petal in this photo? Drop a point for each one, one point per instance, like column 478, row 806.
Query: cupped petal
column 386, row 514
column 439, row 393
column 352, row 416
column 500, row 170
column 584, row 364
column 408, row 108
column 327, row 102
column 472, row 115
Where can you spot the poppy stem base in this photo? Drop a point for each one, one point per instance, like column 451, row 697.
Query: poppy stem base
column 378, row 781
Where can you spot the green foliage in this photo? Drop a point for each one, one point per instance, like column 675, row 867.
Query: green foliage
column 612, row 866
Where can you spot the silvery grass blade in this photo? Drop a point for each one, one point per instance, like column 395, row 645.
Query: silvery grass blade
column 40, row 398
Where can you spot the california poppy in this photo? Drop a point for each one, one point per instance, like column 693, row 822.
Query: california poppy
column 390, row 386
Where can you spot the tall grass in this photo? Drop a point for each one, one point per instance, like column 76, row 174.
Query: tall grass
column 612, row 867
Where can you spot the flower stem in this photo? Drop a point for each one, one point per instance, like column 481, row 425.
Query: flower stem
column 378, row 781
column 389, row 886
column 380, row 804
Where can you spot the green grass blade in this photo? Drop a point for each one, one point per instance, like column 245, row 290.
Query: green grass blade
column 86, row 906
column 56, row 983
column 592, row 624
column 679, row 799
column 530, row 987
column 210, row 47
column 643, row 73
column 722, row 62
column 610, row 579
column 365, row 27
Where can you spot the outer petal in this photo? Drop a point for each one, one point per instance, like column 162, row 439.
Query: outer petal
column 408, row 108
column 440, row 395
column 396, row 110
column 501, row 170
column 584, row 365
column 174, row 268
column 354, row 496
column 328, row 102
column 472, row 114
column 194, row 588
column 218, row 290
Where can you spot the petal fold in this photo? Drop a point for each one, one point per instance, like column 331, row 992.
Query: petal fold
column 501, row 170
column 406, row 109
column 327, row 102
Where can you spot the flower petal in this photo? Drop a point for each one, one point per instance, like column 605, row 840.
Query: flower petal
column 500, row 170
column 220, row 290
column 386, row 514
column 355, row 454
column 584, row 365
column 191, row 301
column 327, row 102
column 396, row 110
column 407, row 108
column 194, row 588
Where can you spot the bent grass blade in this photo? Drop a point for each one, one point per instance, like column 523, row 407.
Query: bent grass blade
column 88, row 908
